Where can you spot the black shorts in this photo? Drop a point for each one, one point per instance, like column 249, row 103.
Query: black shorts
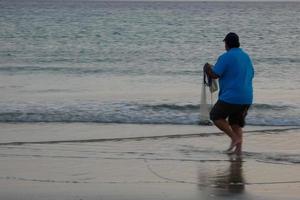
column 236, row 113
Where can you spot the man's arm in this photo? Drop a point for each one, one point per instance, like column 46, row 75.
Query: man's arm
column 208, row 70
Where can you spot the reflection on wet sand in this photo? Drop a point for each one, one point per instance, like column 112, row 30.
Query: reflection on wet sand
column 232, row 180
column 224, row 182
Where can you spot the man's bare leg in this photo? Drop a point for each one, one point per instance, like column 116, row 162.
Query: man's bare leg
column 224, row 126
column 239, row 133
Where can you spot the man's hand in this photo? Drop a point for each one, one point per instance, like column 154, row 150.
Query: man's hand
column 207, row 65
column 208, row 70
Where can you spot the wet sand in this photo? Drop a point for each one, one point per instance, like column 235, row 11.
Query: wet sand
column 118, row 162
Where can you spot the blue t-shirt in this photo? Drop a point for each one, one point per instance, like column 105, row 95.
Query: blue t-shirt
column 235, row 71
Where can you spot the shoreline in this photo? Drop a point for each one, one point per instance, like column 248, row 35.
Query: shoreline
column 164, row 162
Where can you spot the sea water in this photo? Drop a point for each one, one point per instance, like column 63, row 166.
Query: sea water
column 141, row 62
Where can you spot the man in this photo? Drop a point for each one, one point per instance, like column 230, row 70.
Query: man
column 235, row 72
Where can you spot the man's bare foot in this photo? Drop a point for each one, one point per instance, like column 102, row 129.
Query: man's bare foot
column 237, row 152
column 238, row 149
column 233, row 144
column 230, row 147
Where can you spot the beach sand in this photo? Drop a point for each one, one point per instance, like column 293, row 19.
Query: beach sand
column 141, row 162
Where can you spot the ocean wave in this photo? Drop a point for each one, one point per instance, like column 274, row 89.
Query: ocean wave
column 274, row 157
column 15, row 70
column 271, row 107
column 136, row 113
column 37, row 69
column 278, row 60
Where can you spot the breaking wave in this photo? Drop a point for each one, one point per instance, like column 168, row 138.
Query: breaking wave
column 15, row 70
column 136, row 113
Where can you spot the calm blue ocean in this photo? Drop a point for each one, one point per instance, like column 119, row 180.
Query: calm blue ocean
column 140, row 62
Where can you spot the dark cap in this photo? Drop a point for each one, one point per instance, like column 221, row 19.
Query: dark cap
column 232, row 40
